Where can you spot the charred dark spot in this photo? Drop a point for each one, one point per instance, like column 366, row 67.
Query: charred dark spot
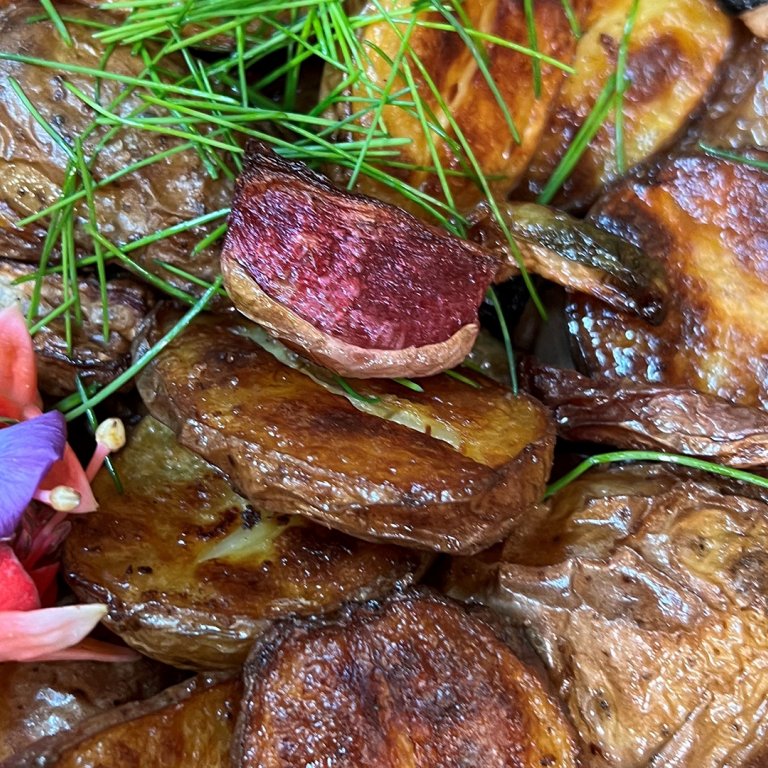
column 219, row 528
column 250, row 517
column 654, row 68
column 144, row 570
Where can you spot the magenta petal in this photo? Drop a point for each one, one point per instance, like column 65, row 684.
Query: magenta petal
column 27, row 635
column 27, row 451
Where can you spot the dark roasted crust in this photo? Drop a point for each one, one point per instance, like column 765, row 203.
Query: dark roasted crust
column 190, row 724
column 625, row 414
column 359, row 285
column 703, row 219
column 90, row 358
column 413, row 680
column 148, row 554
column 290, row 446
column 32, row 167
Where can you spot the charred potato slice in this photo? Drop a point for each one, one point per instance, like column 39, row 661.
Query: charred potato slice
column 43, row 699
column 190, row 724
column 673, row 55
column 644, row 592
column 33, row 166
column 413, row 681
column 704, row 219
column 457, row 481
column 192, row 573
column 93, row 359
column 466, row 93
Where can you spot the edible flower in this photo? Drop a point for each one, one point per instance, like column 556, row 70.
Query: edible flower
column 41, row 483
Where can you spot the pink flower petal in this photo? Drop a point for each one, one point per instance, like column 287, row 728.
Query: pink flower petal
column 94, row 650
column 18, row 369
column 28, row 635
column 17, row 588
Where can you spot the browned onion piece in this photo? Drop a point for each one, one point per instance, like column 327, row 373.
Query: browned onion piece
column 652, row 416
column 360, row 286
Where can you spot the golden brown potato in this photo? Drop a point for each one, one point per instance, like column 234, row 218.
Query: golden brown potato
column 43, row 699
column 457, row 481
column 32, row 167
column 190, row 724
column 674, row 53
column 413, row 681
column 463, row 88
column 90, row 358
column 644, row 593
column 626, row 414
column 705, row 220
column 192, row 573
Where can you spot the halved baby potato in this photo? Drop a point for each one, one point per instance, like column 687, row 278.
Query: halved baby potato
column 191, row 572
column 450, row 469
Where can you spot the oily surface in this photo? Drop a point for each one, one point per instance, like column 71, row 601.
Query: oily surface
column 190, row 724
column 290, row 445
column 192, row 572
column 45, row 698
column 644, row 593
column 32, row 165
column 626, row 414
column 363, row 272
column 673, row 54
column 451, row 68
column 413, row 681
column 704, row 219
column 91, row 359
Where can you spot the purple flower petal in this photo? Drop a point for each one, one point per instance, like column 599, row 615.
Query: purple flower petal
column 27, row 451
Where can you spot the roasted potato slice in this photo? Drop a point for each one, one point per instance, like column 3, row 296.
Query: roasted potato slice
column 192, row 573
column 456, row 481
column 705, row 220
column 43, row 699
column 92, row 358
column 414, row 680
column 644, row 592
column 627, row 414
column 735, row 115
column 32, row 167
column 574, row 254
column 673, row 55
column 464, row 90
column 190, row 724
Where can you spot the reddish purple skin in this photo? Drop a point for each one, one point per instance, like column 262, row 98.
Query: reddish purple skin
column 359, row 270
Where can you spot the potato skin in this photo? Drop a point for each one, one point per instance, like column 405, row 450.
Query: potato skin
column 158, row 555
column 90, row 358
column 414, row 680
column 291, row 446
column 627, row 414
column 470, row 101
column 644, row 592
column 674, row 53
column 45, row 698
column 704, row 219
column 32, row 166
column 190, row 724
